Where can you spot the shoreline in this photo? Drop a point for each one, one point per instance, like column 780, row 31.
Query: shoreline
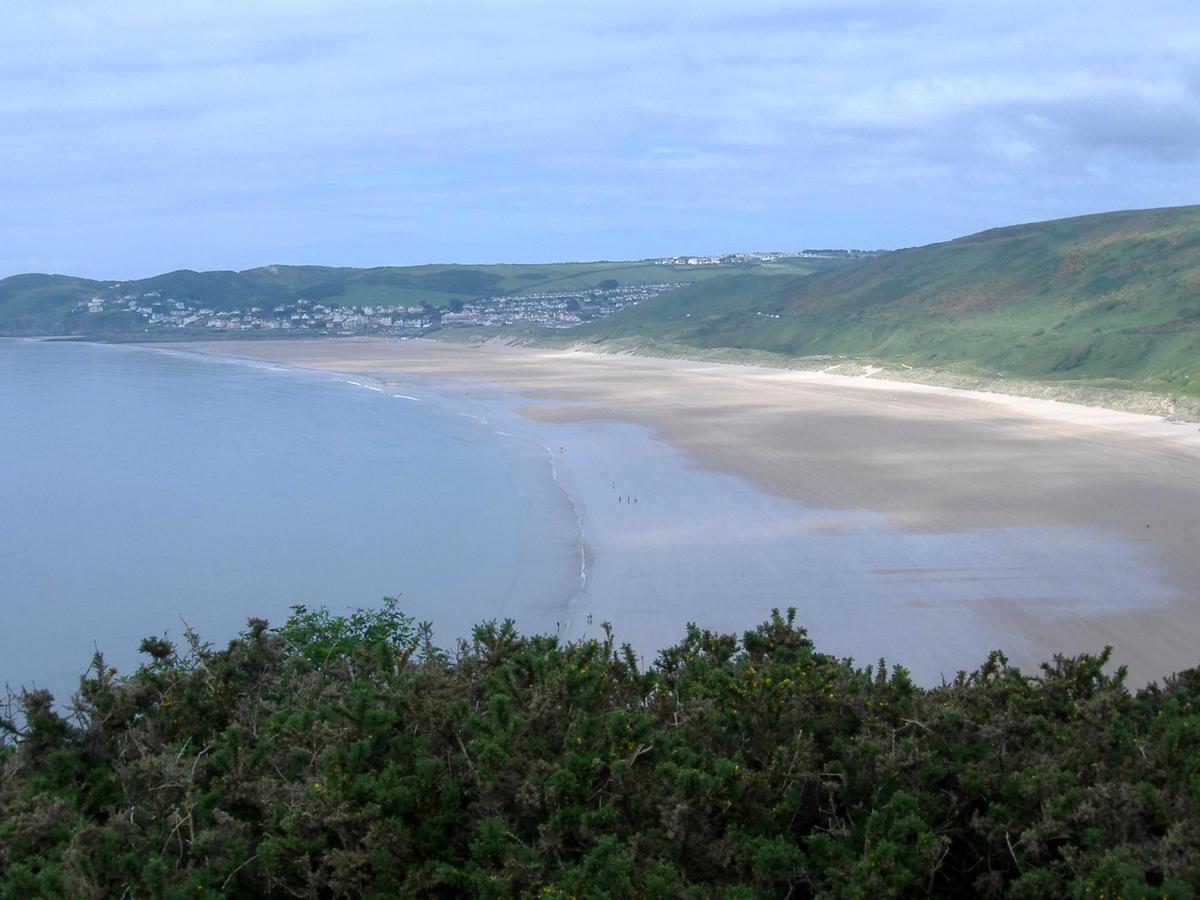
column 1180, row 409
column 917, row 469
column 1078, row 396
column 1143, row 424
column 668, row 543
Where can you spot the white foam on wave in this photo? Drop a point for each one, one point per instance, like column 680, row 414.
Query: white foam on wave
column 369, row 387
column 581, row 593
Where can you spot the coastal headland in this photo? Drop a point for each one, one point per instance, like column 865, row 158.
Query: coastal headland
column 923, row 524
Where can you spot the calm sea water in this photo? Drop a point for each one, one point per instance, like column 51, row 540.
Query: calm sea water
column 140, row 490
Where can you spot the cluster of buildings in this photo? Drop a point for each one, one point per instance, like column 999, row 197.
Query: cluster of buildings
column 556, row 309
column 690, row 260
column 299, row 315
column 834, row 254
column 560, row 309
column 761, row 257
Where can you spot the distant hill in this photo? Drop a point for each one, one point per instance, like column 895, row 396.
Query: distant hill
column 1110, row 299
column 49, row 304
column 1113, row 298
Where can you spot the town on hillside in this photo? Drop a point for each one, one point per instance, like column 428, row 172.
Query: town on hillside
column 152, row 311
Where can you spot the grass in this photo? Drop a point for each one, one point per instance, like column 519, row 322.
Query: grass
column 1107, row 299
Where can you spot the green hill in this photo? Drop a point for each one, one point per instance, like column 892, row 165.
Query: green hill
column 1110, row 298
column 49, row 304
column 41, row 304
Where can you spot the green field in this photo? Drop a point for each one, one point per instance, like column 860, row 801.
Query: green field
column 1110, row 299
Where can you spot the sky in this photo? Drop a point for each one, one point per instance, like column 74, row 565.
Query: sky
column 137, row 138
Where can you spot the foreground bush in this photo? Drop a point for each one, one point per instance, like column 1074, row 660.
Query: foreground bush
column 349, row 757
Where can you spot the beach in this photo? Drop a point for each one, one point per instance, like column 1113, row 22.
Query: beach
column 921, row 524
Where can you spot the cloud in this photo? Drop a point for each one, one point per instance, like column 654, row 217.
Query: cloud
column 138, row 138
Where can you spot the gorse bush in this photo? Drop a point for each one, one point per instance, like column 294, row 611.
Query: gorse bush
column 347, row 756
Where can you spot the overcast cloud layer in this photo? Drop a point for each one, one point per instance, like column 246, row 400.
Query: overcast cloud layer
column 138, row 138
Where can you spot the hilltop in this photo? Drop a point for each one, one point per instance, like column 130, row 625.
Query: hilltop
column 1112, row 298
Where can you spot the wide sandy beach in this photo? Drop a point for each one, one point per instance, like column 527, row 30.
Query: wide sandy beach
column 923, row 524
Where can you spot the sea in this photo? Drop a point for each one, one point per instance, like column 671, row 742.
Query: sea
column 147, row 492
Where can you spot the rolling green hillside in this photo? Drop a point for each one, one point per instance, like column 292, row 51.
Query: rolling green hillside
column 47, row 304
column 1110, row 298
column 40, row 304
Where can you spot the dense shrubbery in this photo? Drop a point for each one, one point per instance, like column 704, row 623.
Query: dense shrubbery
column 347, row 756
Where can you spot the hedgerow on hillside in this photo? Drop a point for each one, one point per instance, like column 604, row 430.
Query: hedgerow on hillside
column 347, row 756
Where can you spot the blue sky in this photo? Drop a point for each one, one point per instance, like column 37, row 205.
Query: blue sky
column 137, row 138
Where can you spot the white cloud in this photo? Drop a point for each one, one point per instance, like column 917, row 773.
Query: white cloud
column 632, row 127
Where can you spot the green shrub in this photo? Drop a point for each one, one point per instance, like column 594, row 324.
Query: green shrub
column 345, row 755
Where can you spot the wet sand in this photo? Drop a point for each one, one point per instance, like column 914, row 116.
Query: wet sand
column 918, row 523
